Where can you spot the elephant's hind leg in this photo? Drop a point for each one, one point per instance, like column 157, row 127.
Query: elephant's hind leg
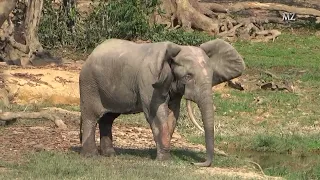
column 89, row 125
column 105, row 127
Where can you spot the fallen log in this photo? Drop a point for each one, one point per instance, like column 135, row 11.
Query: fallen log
column 12, row 116
column 51, row 113
column 239, row 6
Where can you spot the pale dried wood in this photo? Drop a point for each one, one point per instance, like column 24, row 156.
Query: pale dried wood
column 273, row 6
column 11, row 116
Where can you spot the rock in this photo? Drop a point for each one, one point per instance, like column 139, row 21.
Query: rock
column 38, row 128
column 3, row 123
column 39, row 147
column 32, row 143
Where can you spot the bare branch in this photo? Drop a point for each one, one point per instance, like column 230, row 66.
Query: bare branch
column 273, row 6
column 9, row 116
column 20, row 47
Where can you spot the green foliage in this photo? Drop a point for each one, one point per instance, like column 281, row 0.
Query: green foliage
column 181, row 37
column 309, row 171
column 263, row 143
column 55, row 29
column 123, row 19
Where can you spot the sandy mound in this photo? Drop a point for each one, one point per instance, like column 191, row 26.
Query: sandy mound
column 54, row 86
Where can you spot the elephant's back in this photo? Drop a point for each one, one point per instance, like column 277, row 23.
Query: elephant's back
column 115, row 59
column 113, row 47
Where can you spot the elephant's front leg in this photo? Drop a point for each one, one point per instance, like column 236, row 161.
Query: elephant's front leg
column 161, row 129
column 174, row 111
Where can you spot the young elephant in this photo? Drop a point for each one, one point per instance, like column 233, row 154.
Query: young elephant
column 122, row 77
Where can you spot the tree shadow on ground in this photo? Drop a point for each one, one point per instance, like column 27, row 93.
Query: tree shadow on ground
column 181, row 154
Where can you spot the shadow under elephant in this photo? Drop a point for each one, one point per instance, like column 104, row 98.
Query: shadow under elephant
column 181, row 154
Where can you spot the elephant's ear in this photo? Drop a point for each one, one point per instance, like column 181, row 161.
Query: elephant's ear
column 225, row 61
column 166, row 52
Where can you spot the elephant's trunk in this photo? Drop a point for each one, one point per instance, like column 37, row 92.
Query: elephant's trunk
column 205, row 104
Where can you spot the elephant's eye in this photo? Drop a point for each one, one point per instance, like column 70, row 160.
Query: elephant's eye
column 187, row 78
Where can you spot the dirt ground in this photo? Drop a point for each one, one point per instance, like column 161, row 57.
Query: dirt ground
column 59, row 85
column 19, row 139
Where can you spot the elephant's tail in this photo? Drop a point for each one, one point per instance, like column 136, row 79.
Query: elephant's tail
column 80, row 134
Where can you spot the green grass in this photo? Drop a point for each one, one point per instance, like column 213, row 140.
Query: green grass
column 286, row 143
column 291, row 169
column 128, row 165
column 238, row 102
column 289, row 50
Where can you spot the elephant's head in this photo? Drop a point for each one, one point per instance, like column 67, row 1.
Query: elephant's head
column 193, row 71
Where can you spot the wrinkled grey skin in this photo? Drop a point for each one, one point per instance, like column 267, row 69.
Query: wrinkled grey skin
column 122, row 77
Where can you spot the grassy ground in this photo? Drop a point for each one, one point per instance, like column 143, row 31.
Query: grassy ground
column 253, row 123
column 129, row 165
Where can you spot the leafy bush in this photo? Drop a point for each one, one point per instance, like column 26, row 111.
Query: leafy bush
column 181, row 37
column 123, row 19
column 53, row 28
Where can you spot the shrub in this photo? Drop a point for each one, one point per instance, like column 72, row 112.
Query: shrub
column 181, row 37
column 123, row 19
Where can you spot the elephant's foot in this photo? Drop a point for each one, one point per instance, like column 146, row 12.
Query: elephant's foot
column 163, row 155
column 89, row 152
column 108, row 152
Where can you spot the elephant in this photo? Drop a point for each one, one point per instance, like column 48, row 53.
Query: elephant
column 124, row 77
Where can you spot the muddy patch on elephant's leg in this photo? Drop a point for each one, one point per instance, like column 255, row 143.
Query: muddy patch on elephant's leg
column 163, row 142
column 165, row 136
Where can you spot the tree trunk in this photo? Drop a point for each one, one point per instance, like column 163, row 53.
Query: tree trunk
column 19, row 42
column 32, row 21
column 5, row 8
column 188, row 14
column 215, row 18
